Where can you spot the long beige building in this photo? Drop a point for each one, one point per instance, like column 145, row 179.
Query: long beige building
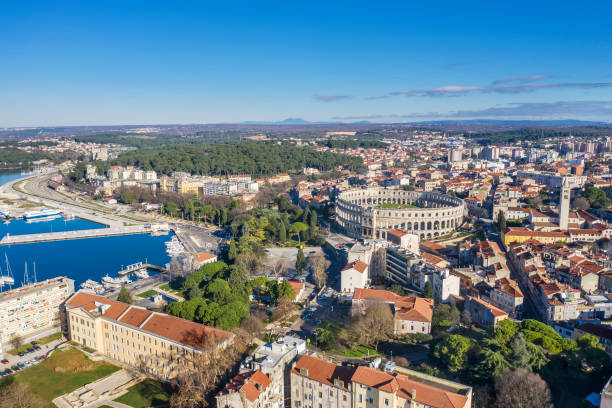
column 370, row 213
column 155, row 343
column 32, row 311
column 317, row 383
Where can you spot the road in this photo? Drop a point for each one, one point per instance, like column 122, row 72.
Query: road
column 529, row 309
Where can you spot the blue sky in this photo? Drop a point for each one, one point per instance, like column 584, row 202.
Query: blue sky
column 105, row 62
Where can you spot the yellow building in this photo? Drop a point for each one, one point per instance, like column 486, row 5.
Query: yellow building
column 519, row 234
column 155, row 343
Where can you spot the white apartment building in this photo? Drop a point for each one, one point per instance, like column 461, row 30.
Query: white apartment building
column 33, row 311
column 444, row 285
column 354, row 275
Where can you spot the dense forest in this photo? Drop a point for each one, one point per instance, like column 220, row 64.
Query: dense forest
column 352, row 144
column 255, row 158
column 134, row 140
column 12, row 158
column 535, row 134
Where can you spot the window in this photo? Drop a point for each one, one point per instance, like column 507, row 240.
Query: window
column 387, row 402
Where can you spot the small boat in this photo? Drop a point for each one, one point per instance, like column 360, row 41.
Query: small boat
column 110, row 282
column 141, row 274
column 92, row 286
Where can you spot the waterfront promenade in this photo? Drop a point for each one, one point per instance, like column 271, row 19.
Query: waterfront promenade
column 80, row 234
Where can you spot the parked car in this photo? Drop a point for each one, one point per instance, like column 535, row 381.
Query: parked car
column 5, row 361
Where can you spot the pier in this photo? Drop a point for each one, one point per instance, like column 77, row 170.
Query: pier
column 141, row 266
column 81, row 234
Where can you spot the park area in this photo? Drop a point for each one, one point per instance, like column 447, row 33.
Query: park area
column 62, row 372
column 148, row 393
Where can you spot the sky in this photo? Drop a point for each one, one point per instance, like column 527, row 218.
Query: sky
column 108, row 63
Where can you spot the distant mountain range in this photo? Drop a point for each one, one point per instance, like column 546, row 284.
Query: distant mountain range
column 562, row 122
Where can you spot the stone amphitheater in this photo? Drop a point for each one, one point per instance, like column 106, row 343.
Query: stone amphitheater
column 369, row 213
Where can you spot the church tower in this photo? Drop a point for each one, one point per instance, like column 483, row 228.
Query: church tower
column 564, row 203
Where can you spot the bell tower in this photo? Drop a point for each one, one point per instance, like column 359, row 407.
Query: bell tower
column 564, row 203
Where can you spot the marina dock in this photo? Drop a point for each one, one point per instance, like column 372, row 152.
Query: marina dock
column 80, row 234
column 141, row 266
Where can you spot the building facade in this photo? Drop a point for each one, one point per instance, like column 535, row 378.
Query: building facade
column 316, row 383
column 33, row 311
column 154, row 343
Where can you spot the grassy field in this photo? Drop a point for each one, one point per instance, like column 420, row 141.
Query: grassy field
column 63, row 372
column 147, row 294
column 148, row 393
column 359, row 351
column 397, row 205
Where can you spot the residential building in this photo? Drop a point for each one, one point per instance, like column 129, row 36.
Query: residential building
column 274, row 360
column 248, row 390
column 404, row 240
column 155, row 343
column 319, row 383
column 410, row 314
column 398, row 265
column 33, row 311
column 484, row 313
column 444, row 285
column 354, row 275
column 507, row 296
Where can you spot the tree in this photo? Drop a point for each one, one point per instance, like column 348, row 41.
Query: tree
column 300, row 261
column 588, row 340
column 17, row 341
column 501, row 221
column 312, row 223
column 505, row 330
column 18, row 395
column 171, row 208
column 318, row 265
column 297, row 228
column 124, row 295
column 128, row 196
column 398, row 289
column 428, row 291
column 491, row 363
column 452, row 351
column 200, row 373
column 232, row 251
column 376, row 325
column 238, row 278
column 282, row 233
column 445, row 315
column 522, row 389
column 597, row 197
column 581, row 203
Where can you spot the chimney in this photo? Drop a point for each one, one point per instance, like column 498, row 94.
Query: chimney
column 304, row 372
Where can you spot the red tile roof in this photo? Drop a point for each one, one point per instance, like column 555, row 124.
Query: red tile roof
column 174, row 328
column 357, row 265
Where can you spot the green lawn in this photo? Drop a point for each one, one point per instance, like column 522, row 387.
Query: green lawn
column 148, row 393
column 49, row 339
column 167, row 288
column 397, row 205
column 147, row 294
column 359, row 351
column 63, row 372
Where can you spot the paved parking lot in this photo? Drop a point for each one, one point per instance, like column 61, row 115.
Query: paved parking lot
column 28, row 359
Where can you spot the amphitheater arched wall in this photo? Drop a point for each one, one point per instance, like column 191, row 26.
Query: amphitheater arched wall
column 359, row 212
